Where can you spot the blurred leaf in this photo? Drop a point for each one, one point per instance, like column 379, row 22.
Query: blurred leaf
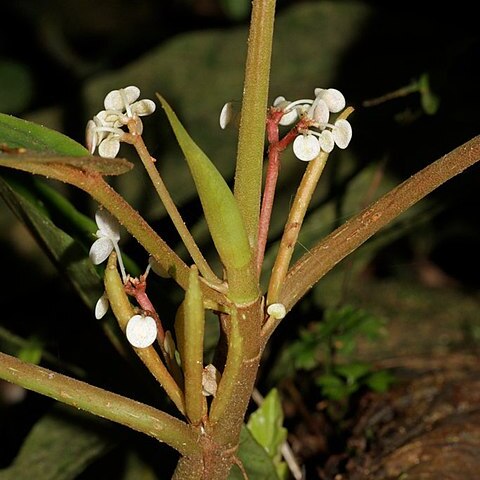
column 333, row 387
column 236, row 9
column 31, row 351
column 60, row 446
column 15, row 86
column 430, row 102
column 67, row 254
column 379, row 381
column 352, row 372
column 266, row 426
column 254, row 458
column 137, row 469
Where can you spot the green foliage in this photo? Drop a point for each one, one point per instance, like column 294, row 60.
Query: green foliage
column 266, row 426
column 255, row 460
column 328, row 347
column 60, row 446
column 236, row 9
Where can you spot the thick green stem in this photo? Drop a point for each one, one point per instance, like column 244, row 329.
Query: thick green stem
column 251, row 142
column 97, row 401
column 123, row 312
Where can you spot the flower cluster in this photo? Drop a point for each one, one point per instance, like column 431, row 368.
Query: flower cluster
column 320, row 135
column 105, row 130
column 141, row 330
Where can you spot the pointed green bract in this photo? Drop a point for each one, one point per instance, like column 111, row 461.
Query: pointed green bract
column 219, row 205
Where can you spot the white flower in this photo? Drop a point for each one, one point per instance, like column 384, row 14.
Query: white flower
column 226, row 115
column 105, row 131
column 210, row 380
column 108, row 236
column 306, row 147
column 141, row 331
column 321, row 135
column 101, row 307
column 277, row 310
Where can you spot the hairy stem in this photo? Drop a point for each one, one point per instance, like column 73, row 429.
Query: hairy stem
column 97, row 401
column 248, row 176
column 172, row 211
column 347, row 238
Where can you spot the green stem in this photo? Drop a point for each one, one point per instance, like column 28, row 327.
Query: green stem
column 172, row 210
column 293, row 225
column 347, row 238
column 248, row 176
column 123, row 312
column 97, row 401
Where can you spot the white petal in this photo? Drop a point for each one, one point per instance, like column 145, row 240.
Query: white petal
column 327, row 141
column 319, row 91
column 279, row 100
column 101, row 307
column 143, row 107
column 226, row 115
column 277, row 310
column 91, row 136
column 109, row 147
column 114, row 101
column 119, row 99
column 100, row 250
column 141, row 331
column 334, row 99
column 107, row 224
column 321, row 113
column 289, row 117
column 131, row 93
column 342, row 133
column 306, row 147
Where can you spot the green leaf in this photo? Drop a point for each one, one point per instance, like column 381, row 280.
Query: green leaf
column 333, row 387
column 430, row 102
column 18, row 133
column 32, row 351
column 379, row 381
column 353, row 372
column 60, row 446
column 221, row 212
column 64, row 251
column 254, row 459
column 266, row 426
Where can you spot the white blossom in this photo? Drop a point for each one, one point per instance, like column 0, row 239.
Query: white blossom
column 108, row 236
column 105, row 130
column 141, row 331
column 277, row 310
column 321, row 135
column 101, row 307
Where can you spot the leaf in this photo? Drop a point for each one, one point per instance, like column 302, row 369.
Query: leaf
column 15, row 86
column 29, row 162
column 67, row 254
column 266, row 426
column 60, row 446
column 31, row 147
column 254, row 459
column 219, row 205
column 18, row 133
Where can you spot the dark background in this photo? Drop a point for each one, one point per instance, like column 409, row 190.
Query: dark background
column 56, row 57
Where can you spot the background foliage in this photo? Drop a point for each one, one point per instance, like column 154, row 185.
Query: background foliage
column 424, row 267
